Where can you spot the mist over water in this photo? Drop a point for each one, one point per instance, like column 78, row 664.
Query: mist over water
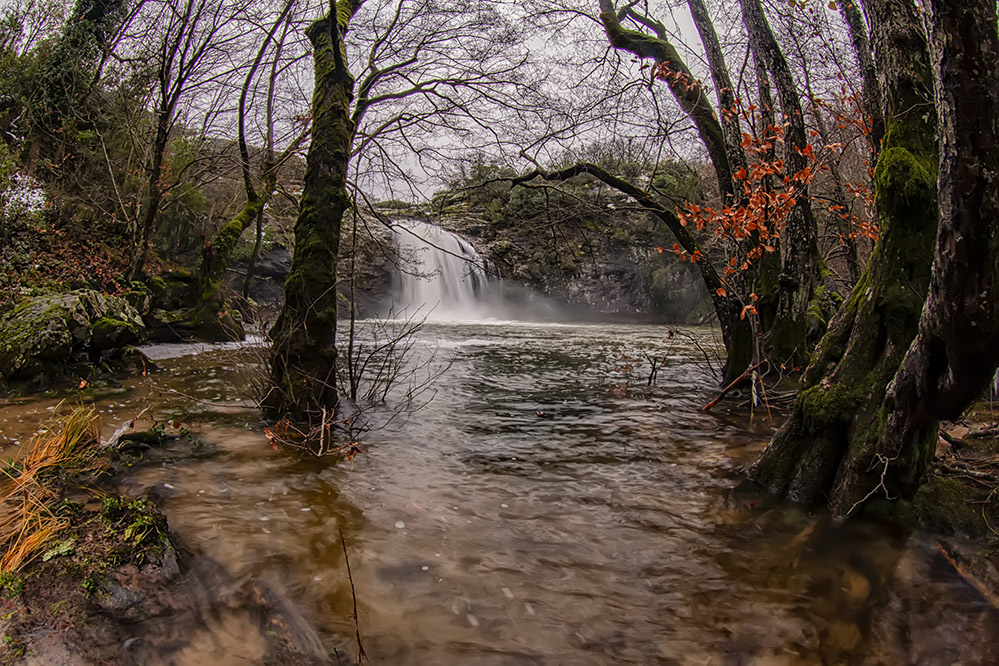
column 443, row 278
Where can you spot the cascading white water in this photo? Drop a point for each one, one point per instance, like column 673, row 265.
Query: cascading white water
column 442, row 276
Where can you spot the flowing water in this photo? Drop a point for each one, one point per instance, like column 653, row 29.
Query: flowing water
column 443, row 277
column 546, row 507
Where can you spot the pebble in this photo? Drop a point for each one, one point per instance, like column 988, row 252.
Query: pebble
column 399, row 525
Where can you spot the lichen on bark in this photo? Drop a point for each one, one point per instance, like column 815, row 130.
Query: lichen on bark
column 303, row 360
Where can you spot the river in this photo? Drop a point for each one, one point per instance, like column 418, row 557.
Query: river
column 547, row 506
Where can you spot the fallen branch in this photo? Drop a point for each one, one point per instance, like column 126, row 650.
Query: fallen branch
column 749, row 371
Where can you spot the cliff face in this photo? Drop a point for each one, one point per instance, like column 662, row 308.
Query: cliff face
column 595, row 271
column 582, row 272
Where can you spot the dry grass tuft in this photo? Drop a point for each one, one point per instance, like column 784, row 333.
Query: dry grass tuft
column 29, row 491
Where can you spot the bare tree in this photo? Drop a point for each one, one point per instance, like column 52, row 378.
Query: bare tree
column 209, row 318
column 190, row 53
column 425, row 71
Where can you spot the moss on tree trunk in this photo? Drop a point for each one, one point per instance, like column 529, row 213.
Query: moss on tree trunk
column 303, row 363
column 836, row 424
column 210, row 318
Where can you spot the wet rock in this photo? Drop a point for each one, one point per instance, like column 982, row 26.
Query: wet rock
column 56, row 329
column 275, row 264
column 167, row 326
column 111, row 333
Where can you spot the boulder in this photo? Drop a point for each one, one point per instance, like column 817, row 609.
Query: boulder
column 56, row 329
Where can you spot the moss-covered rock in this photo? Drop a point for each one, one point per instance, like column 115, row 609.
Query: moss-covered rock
column 111, row 333
column 175, row 290
column 950, row 506
column 56, row 329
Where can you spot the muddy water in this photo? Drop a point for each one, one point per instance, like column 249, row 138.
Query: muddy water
column 547, row 507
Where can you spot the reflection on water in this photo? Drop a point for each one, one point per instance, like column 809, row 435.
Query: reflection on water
column 548, row 508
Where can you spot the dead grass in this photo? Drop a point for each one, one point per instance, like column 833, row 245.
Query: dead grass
column 29, row 488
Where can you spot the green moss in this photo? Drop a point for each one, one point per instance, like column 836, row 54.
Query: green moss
column 109, row 333
column 947, row 505
column 141, row 529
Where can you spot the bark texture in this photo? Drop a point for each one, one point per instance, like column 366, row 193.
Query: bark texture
column 303, row 362
column 854, row 19
column 836, row 423
column 956, row 350
column 724, row 90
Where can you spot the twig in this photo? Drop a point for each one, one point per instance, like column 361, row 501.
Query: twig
column 361, row 656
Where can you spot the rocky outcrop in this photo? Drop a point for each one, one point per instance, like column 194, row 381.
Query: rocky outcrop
column 602, row 272
column 376, row 263
column 58, row 329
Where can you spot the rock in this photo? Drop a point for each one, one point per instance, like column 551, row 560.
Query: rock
column 139, row 297
column 111, row 333
column 166, row 326
column 56, row 329
column 275, row 264
column 175, row 290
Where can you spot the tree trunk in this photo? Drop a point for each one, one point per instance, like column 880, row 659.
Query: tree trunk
column 209, row 317
column 872, row 104
column 689, row 93
column 956, row 351
column 724, row 90
column 303, row 362
column 154, row 195
column 837, row 416
column 805, row 295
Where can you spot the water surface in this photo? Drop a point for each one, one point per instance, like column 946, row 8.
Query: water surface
column 548, row 506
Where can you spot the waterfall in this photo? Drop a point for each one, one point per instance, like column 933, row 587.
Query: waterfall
column 441, row 275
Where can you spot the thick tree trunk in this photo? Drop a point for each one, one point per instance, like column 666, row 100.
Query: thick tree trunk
column 303, row 363
column 837, row 416
column 956, row 350
column 872, row 103
column 806, row 297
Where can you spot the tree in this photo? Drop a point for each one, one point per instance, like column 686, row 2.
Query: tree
column 189, row 53
column 956, row 350
column 850, row 9
column 303, row 365
column 209, row 317
column 797, row 295
column 424, row 68
column 836, row 425
column 804, row 291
